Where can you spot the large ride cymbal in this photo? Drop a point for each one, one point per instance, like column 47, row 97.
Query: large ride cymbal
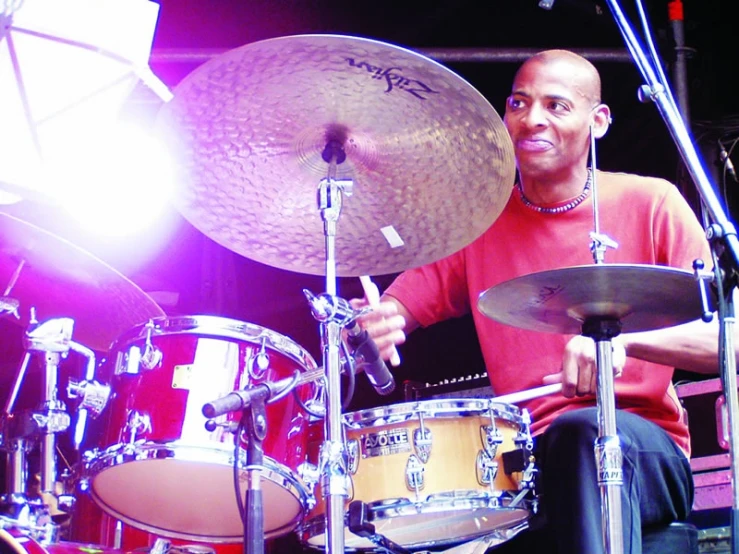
column 429, row 157
column 642, row 297
column 59, row 279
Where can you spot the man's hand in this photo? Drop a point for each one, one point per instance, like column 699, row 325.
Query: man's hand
column 384, row 325
column 579, row 374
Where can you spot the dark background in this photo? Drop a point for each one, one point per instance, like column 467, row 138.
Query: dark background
column 209, row 279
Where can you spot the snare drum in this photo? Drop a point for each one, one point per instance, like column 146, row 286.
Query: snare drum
column 435, row 472
column 160, row 469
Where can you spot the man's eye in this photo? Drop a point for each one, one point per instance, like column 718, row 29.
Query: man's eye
column 514, row 103
column 558, row 106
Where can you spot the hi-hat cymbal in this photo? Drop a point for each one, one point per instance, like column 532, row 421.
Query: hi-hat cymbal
column 642, row 297
column 430, row 159
column 59, row 279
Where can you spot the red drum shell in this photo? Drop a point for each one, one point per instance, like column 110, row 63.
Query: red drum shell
column 159, row 468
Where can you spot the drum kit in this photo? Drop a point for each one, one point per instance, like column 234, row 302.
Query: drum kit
column 219, row 433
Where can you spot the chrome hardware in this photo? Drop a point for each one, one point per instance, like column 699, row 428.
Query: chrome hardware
column 137, row 423
column 486, row 468
column 310, row 474
column 352, row 455
column 414, row 475
column 129, row 361
column 332, row 468
column 51, row 336
column 524, row 441
column 259, row 364
column 422, row 441
column 152, row 356
column 491, row 438
column 53, row 421
column 165, row 546
column 94, row 395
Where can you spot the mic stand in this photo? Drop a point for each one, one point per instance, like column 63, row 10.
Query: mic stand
column 254, row 421
column 721, row 230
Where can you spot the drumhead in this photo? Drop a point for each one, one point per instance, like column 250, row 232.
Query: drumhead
column 441, row 408
column 218, row 327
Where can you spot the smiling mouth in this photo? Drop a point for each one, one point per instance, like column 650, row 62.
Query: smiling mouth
column 533, row 145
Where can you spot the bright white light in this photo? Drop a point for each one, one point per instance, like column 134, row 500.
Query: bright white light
column 117, row 184
column 64, row 64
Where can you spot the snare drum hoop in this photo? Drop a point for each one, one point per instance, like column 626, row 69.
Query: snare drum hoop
column 449, row 407
column 444, row 502
column 120, row 454
column 221, row 327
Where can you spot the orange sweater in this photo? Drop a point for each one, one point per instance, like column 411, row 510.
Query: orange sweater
column 652, row 224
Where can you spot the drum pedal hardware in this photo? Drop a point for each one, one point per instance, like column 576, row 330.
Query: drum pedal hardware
column 359, row 525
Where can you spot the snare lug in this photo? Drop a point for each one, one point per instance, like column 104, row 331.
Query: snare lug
column 491, row 438
column 422, row 441
column 414, row 474
column 486, row 468
column 352, row 456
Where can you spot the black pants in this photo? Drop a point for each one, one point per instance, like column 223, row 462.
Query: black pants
column 657, row 489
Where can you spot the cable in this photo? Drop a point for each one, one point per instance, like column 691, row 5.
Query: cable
column 237, row 469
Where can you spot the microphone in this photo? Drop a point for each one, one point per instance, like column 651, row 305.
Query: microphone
column 726, row 161
column 240, row 399
column 366, row 350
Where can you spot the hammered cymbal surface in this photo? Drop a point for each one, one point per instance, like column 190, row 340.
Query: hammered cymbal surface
column 642, row 297
column 429, row 158
column 60, row 279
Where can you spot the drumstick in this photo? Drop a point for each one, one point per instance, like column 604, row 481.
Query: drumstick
column 529, row 394
column 373, row 299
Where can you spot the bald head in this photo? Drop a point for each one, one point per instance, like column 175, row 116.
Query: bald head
column 581, row 73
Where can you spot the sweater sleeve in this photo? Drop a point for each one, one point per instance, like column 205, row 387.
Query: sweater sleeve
column 434, row 292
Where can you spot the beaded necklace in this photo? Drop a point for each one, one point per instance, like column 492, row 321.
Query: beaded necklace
column 559, row 209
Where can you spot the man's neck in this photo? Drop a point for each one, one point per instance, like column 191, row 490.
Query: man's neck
column 546, row 189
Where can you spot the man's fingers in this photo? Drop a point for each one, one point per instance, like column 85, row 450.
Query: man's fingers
column 552, row 378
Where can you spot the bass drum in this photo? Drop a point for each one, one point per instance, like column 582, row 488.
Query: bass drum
column 90, row 525
column 17, row 541
column 163, row 467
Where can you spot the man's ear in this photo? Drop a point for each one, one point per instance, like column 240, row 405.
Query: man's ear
column 601, row 120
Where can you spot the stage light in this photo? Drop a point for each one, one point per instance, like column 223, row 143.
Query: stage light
column 117, row 184
column 66, row 67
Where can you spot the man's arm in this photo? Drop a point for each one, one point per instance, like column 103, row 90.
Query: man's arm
column 691, row 346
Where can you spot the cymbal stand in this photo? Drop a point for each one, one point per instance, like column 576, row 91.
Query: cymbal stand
column 52, row 338
column 333, row 451
column 721, row 232
column 608, row 454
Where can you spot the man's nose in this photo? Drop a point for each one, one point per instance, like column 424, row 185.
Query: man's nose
column 535, row 116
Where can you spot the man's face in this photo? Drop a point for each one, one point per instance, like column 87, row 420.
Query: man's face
column 548, row 117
